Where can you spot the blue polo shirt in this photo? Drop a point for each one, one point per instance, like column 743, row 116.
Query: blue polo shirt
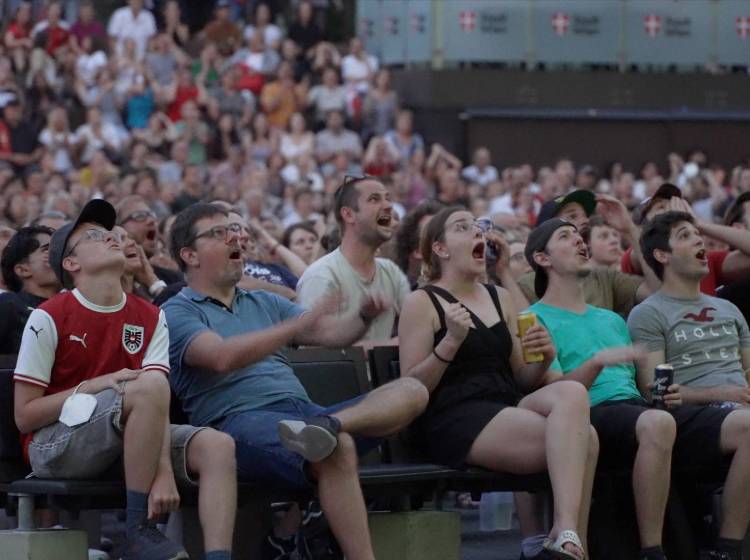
column 209, row 396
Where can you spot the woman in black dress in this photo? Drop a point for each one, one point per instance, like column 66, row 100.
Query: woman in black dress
column 459, row 337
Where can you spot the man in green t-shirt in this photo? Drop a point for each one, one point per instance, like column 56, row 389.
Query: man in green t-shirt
column 594, row 347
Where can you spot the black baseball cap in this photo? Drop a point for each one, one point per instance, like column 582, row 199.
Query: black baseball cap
column 550, row 208
column 96, row 211
column 537, row 241
column 664, row 192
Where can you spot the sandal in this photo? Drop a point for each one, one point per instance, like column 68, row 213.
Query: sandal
column 556, row 547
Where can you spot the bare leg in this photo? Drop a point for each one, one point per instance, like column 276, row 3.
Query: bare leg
column 386, row 410
column 735, row 505
column 210, row 454
column 530, row 510
column 655, row 431
column 565, row 404
column 341, row 500
column 522, row 441
column 588, row 488
column 145, row 405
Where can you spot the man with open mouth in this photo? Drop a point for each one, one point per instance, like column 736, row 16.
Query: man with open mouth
column 364, row 213
column 707, row 341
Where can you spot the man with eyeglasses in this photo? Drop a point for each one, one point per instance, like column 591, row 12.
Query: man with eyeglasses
column 31, row 281
column 91, row 389
column 140, row 222
column 229, row 371
column 353, row 271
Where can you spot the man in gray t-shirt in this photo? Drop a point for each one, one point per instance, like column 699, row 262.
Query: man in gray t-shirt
column 706, row 339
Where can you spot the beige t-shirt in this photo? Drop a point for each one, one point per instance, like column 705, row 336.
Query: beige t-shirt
column 604, row 287
column 333, row 273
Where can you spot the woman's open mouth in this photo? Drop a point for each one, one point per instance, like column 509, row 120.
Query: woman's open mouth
column 478, row 251
column 151, row 234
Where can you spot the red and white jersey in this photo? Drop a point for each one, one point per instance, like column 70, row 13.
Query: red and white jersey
column 68, row 340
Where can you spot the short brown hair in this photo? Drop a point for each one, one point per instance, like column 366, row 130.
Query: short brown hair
column 434, row 230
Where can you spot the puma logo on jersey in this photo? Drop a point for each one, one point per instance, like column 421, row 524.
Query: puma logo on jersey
column 74, row 338
column 702, row 316
column 36, row 331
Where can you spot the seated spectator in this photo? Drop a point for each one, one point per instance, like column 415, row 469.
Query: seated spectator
column 20, row 146
column 91, row 59
column 297, row 141
column 303, row 240
column 408, row 254
column 173, row 26
column 303, row 209
column 126, row 376
column 602, row 287
column 380, row 106
column 192, row 188
column 403, row 138
column 227, row 99
column 256, row 63
column 158, row 136
column 558, row 253
column 724, row 266
column 102, row 96
column 262, row 27
column 468, row 354
column 265, row 139
column 184, row 89
column 738, row 216
column 229, row 372
column 162, row 60
column 282, row 98
column 139, row 221
column 59, row 141
column 6, row 233
column 381, row 158
column 364, row 213
column 29, row 279
column 707, row 341
column 86, row 27
column 97, row 135
column 131, row 22
column 17, row 38
column 358, row 68
column 304, row 31
column 604, row 244
column 137, row 275
column 327, row 96
column 231, row 171
column 481, row 171
column 51, row 33
column 334, row 139
column 191, row 128
column 222, row 31
column 704, row 338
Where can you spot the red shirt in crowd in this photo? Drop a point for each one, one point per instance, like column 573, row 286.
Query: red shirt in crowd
column 710, row 282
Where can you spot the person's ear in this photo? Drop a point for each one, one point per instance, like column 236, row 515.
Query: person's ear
column 347, row 215
column 439, row 249
column 189, row 256
column 70, row 264
column 22, row 270
column 661, row 256
column 541, row 258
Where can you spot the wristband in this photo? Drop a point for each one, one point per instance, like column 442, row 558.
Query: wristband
column 439, row 357
column 157, row 287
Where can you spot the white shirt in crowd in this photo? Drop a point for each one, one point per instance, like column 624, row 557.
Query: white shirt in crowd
column 483, row 178
column 124, row 25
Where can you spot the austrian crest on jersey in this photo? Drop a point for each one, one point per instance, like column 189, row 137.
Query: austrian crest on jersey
column 132, row 338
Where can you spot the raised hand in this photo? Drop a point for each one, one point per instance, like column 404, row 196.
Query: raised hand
column 537, row 341
column 373, row 305
column 457, row 321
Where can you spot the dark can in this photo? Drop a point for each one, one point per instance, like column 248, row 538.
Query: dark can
column 663, row 378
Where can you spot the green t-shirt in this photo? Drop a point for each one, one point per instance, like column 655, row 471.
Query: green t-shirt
column 578, row 336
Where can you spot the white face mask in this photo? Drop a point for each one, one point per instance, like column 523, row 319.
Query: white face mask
column 77, row 408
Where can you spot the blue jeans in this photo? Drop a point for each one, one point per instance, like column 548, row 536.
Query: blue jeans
column 260, row 456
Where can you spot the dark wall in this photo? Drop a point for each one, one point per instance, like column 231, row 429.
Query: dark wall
column 455, row 108
column 542, row 141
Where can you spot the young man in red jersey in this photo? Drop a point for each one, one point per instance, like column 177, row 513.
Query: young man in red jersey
column 91, row 387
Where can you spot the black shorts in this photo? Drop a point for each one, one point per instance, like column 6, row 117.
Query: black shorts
column 698, row 433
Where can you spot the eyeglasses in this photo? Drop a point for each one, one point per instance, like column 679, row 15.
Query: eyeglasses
column 140, row 216
column 220, row 233
column 465, row 226
column 96, row 235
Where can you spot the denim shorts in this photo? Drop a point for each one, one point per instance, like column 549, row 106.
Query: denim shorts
column 260, row 456
column 93, row 448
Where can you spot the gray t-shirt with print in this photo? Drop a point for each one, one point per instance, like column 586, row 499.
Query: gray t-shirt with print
column 700, row 337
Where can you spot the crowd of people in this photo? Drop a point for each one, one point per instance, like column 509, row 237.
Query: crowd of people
column 190, row 203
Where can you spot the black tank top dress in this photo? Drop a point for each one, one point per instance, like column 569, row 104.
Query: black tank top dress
column 475, row 387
